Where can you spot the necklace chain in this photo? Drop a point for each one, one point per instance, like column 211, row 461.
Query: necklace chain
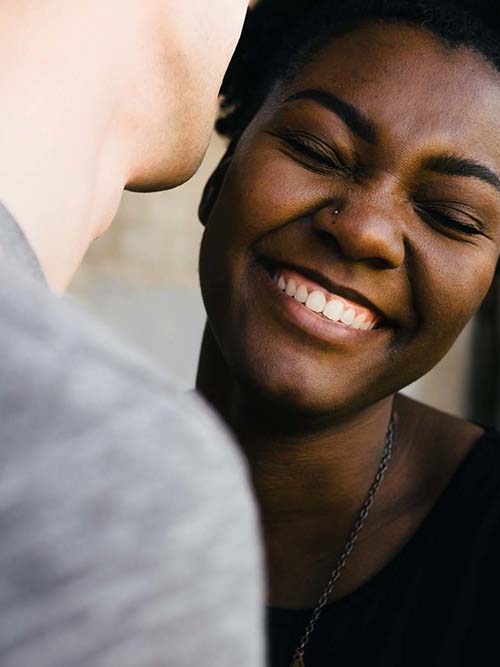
column 298, row 656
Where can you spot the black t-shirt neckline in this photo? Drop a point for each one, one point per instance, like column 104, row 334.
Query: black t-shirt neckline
column 470, row 463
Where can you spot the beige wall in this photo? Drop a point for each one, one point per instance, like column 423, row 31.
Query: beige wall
column 141, row 277
column 155, row 238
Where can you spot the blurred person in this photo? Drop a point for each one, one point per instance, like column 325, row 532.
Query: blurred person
column 98, row 97
column 127, row 529
column 354, row 222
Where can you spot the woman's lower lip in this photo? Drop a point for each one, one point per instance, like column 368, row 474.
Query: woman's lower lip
column 313, row 323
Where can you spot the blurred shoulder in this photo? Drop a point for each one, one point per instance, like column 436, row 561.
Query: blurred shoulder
column 68, row 379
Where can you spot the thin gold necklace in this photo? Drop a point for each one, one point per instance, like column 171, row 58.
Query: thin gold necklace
column 298, row 656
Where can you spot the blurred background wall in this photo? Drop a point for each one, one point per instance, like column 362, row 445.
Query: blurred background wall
column 141, row 278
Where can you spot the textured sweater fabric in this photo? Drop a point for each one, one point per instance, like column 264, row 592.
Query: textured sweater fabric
column 128, row 534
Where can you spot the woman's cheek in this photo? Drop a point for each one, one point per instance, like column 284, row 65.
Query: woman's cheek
column 457, row 290
column 269, row 191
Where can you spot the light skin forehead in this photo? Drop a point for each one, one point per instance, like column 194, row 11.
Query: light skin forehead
column 213, row 18
column 413, row 87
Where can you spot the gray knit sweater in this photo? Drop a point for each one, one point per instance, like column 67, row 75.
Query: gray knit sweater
column 128, row 535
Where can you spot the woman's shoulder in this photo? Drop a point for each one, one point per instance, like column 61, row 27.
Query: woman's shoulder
column 458, row 458
column 468, row 456
column 445, row 441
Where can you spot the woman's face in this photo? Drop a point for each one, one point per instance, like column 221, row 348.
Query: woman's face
column 371, row 180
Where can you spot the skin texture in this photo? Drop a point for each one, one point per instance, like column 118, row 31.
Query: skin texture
column 312, row 416
column 124, row 96
column 192, row 44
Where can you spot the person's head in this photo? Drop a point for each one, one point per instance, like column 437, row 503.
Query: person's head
column 179, row 74
column 364, row 164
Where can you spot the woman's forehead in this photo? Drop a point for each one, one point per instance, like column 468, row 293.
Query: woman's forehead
column 410, row 85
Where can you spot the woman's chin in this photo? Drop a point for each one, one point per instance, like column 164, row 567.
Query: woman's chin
column 282, row 389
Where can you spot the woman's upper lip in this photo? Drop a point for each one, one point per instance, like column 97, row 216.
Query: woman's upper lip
column 333, row 287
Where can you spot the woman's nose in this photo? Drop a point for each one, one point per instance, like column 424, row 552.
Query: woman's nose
column 363, row 230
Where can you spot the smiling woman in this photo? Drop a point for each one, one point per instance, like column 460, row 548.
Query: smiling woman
column 355, row 226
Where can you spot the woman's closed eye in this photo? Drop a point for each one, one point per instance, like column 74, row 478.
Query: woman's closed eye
column 312, row 152
column 451, row 217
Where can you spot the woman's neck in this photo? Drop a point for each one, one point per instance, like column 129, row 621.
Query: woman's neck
column 311, row 483
column 309, row 470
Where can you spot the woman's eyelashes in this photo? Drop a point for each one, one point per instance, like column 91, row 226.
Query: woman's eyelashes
column 319, row 156
column 448, row 216
column 312, row 152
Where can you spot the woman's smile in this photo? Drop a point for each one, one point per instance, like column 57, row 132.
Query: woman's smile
column 324, row 315
column 329, row 306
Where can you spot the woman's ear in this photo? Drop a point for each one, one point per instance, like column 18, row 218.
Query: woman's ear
column 213, row 186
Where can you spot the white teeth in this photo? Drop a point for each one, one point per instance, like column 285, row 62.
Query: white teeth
column 358, row 321
column 348, row 316
column 316, row 301
column 291, row 287
column 301, row 294
column 333, row 310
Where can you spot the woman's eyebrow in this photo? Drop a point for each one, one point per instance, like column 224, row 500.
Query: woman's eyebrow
column 447, row 163
column 452, row 165
column 352, row 117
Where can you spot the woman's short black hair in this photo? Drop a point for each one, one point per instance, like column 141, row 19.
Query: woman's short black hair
column 280, row 35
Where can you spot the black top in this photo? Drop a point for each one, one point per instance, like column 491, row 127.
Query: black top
column 437, row 603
